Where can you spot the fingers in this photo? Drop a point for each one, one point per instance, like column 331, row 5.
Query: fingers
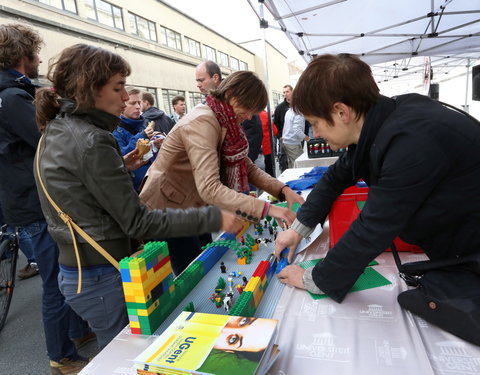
column 291, row 254
column 230, row 222
column 149, row 132
column 292, row 275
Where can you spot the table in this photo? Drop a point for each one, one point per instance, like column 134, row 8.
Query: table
column 303, row 161
column 368, row 333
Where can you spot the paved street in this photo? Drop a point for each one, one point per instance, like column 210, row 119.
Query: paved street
column 22, row 341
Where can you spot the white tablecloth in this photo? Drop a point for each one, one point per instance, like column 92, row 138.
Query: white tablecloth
column 303, row 161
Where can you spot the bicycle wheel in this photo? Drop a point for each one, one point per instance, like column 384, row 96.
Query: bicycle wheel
column 8, row 264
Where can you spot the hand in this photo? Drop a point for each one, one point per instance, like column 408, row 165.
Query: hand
column 148, row 131
column 230, row 223
column 132, row 161
column 282, row 215
column 292, row 275
column 291, row 197
column 289, row 239
column 158, row 142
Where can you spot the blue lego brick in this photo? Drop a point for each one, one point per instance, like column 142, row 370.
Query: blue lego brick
column 125, row 273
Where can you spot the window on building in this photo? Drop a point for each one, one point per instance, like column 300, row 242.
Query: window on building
column 277, row 98
column 151, row 90
column 193, row 47
column 104, row 13
column 243, row 65
column 195, row 98
column 68, row 5
column 234, row 63
column 142, row 27
column 170, row 38
column 210, row 53
column 223, row 59
column 167, row 96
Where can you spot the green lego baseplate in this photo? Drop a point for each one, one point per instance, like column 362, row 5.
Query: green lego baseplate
column 368, row 279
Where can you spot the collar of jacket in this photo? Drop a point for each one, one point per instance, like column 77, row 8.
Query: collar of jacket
column 12, row 78
column 99, row 118
column 374, row 120
column 131, row 125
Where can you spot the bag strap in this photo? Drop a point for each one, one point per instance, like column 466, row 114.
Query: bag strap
column 411, row 280
column 73, row 226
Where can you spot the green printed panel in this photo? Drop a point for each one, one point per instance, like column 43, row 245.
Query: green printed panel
column 368, row 279
column 295, row 206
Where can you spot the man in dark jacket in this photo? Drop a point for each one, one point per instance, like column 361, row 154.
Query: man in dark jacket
column 163, row 123
column 419, row 159
column 19, row 136
column 253, row 131
column 279, row 121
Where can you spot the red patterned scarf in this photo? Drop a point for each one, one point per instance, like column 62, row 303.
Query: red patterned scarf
column 233, row 167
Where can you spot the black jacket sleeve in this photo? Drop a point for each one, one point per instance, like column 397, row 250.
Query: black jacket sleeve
column 405, row 180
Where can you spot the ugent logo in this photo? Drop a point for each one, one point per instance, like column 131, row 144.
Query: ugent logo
column 183, row 346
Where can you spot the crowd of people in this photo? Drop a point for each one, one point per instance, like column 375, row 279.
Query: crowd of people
column 73, row 148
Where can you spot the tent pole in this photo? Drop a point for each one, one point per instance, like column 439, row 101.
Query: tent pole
column 263, row 26
column 466, row 109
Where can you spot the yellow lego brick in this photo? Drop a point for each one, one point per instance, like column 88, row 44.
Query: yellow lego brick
column 142, row 312
column 252, row 284
column 246, row 225
column 140, row 299
column 134, row 324
column 135, row 272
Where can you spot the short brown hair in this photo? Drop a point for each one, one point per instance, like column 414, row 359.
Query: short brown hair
column 247, row 89
column 77, row 74
column 146, row 96
column 177, row 99
column 132, row 91
column 17, row 41
column 335, row 78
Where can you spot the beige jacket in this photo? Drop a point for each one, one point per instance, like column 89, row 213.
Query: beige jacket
column 186, row 170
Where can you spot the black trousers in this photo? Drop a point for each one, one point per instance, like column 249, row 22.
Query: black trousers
column 183, row 250
column 268, row 164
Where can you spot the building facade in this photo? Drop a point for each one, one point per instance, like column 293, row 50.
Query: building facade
column 162, row 44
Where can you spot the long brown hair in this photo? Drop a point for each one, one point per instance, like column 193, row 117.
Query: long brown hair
column 77, row 74
column 247, row 89
column 335, row 78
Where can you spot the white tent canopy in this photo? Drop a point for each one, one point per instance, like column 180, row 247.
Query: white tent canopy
column 380, row 31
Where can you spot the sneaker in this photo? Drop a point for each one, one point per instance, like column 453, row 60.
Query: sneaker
column 82, row 341
column 68, row 366
column 30, row 270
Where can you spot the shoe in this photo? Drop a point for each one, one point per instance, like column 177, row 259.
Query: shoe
column 82, row 341
column 30, row 270
column 68, row 366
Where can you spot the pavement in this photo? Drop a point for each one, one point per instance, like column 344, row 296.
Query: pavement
column 22, row 339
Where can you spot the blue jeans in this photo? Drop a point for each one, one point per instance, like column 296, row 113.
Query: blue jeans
column 101, row 302
column 59, row 321
column 26, row 245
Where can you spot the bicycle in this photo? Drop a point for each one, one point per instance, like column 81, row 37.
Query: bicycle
column 9, row 245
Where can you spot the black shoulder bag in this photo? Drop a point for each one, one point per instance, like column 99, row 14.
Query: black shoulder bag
column 446, row 293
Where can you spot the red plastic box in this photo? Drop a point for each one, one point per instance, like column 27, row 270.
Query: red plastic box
column 345, row 210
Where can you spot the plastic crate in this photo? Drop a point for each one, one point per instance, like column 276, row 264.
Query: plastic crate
column 345, row 210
